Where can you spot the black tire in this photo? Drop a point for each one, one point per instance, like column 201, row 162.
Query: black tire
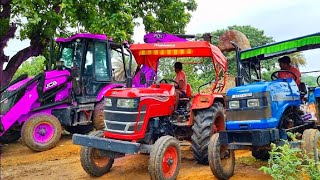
column 311, row 144
column 164, row 148
column 222, row 168
column 45, row 140
column 261, row 153
column 80, row 129
column 10, row 136
column 91, row 160
column 98, row 116
column 203, row 130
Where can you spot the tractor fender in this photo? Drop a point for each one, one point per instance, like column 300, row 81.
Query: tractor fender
column 105, row 89
column 203, row 101
column 317, row 92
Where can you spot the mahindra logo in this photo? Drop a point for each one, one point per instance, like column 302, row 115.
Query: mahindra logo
column 114, row 92
column 165, row 45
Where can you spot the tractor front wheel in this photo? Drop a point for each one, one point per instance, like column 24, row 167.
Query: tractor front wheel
column 165, row 159
column 41, row 132
column 221, row 159
column 93, row 161
column 205, row 125
column 311, row 144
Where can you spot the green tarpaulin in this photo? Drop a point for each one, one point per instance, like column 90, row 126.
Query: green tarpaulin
column 280, row 48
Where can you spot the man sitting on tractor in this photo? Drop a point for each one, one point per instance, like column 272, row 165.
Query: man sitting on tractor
column 285, row 64
column 181, row 87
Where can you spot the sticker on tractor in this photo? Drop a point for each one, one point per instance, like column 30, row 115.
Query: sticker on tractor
column 241, row 95
column 51, row 84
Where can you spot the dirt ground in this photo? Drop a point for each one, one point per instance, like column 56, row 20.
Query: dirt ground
column 62, row 162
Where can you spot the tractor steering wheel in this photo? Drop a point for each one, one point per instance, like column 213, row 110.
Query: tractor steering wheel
column 318, row 80
column 176, row 85
column 275, row 77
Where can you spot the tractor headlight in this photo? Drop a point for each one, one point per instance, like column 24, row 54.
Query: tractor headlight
column 253, row 103
column 127, row 103
column 234, row 104
column 108, row 102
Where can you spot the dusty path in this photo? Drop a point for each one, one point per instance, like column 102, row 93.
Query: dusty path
column 62, row 162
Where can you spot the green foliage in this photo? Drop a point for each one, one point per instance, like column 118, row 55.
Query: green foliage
column 256, row 38
column 115, row 18
column 32, row 68
column 309, row 80
column 287, row 163
column 248, row 161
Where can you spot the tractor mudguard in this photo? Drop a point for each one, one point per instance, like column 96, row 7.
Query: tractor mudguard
column 105, row 89
column 202, row 101
column 317, row 92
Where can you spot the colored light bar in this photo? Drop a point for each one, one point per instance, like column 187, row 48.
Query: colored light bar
column 165, row 52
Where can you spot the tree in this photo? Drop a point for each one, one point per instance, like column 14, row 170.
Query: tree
column 38, row 20
column 31, row 68
column 256, row 38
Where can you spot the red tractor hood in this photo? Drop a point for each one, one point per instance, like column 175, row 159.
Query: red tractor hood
column 152, row 91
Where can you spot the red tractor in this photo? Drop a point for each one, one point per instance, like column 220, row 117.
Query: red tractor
column 140, row 118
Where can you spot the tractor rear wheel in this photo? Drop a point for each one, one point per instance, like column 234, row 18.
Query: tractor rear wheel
column 10, row 136
column 221, row 160
column 41, row 132
column 311, row 144
column 92, row 160
column 203, row 128
column 98, row 116
column 165, row 159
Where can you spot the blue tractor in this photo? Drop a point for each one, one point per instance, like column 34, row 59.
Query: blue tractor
column 262, row 112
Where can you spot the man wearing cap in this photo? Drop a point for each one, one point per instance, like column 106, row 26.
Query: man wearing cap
column 285, row 64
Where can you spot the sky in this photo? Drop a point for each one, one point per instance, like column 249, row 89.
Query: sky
column 280, row 19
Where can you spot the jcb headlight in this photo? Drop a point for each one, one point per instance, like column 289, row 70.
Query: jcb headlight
column 108, row 102
column 253, row 103
column 234, row 104
column 127, row 103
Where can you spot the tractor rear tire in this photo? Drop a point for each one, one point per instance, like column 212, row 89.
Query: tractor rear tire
column 92, row 161
column 221, row 160
column 165, row 159
column 203, row 130
column 80, row 129
column 41, row 132
column 98, row 116
column 10, row 136
column 311, row 144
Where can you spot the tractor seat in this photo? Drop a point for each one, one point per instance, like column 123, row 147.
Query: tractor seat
column 188, row 94
column 303, row 89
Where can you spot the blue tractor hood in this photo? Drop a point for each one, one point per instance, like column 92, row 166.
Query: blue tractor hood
column 249, row 88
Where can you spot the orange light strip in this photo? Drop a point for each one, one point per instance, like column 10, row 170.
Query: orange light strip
column 166, row 52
